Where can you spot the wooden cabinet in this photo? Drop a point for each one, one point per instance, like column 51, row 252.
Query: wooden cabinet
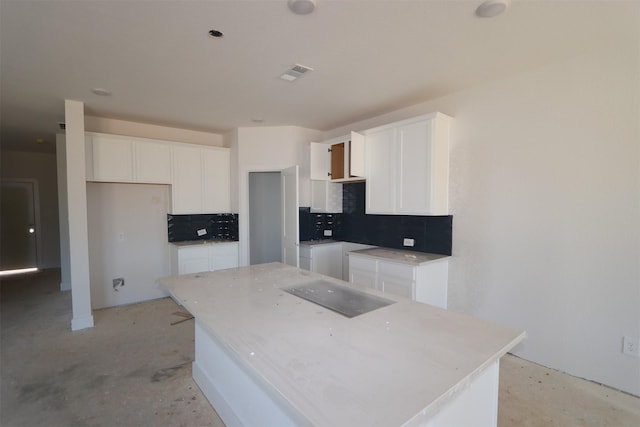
column 407, row 167
column 322, row 258
column 201, row 180
column 114, row 158
column 425, row 283
column 326, row 197
column 339, row 160
column 201, row 257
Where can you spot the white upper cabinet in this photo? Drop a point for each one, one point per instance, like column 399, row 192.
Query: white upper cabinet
column 338, row 160
column 201, row 180
column 153, row 162
column 114, row 158
column 407, row 167
column 109, row 158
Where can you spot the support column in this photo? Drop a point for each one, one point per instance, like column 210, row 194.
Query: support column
column 77, row 216
column 63, row 212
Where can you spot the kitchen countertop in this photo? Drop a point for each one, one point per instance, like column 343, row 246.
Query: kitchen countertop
column 319, row 242
column 399, row 255
column 384, row 367
column 202, row 242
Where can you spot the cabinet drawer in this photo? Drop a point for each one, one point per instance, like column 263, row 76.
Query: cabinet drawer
column 362, row 263
column 400, row 271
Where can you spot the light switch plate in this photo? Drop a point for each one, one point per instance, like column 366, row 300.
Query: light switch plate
column 407, row 242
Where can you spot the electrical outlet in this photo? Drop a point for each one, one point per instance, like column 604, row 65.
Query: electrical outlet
column 118, row 283
column 202, row 232
column 328, row 233
column 407, row 242
column 630, row 346
column 120, row 236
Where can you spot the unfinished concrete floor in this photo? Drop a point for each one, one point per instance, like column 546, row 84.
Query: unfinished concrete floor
column 134, row 369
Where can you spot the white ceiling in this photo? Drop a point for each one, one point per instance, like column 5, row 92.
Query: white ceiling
column 370, row 57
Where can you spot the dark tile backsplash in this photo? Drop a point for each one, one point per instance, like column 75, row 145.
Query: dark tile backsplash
column 430, row 233
column 218, row 226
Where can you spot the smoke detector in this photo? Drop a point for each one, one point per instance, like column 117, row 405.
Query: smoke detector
column 302, row 7
column 491, row 8
column 295, row 72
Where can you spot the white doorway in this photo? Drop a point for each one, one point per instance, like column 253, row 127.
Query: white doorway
column 18, row 225
column 265, row 212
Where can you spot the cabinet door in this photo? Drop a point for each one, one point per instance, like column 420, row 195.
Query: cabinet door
column 415, row 159
column 396, row 286
column 356, row 155
column 320, row 162
column 432, row 283
column 153, row 162
column 193, row 259
column 224, row 255
column 362, row 278
column 381, row 171
column 216, row 180
column 112, row 159
column 187, row 180
column 327, row 260
column 337, row 161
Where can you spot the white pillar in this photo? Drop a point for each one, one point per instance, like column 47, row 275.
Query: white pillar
column 77, row 216
column 63, row 213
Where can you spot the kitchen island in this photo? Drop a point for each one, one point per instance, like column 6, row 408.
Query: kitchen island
column 267, row 357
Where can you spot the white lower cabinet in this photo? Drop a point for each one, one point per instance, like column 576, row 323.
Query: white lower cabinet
column 425, row 283
column 201, row 257
column 324, row 259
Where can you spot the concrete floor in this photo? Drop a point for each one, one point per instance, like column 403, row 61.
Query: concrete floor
column 134, row 369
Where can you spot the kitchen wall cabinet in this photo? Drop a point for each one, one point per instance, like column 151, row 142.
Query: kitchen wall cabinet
column 326, row 197
column 339, row 159
column 201, row 257
column 114, row 158
column 322, row 258
column 407, row 167
column 425, row 283
column 201, row 180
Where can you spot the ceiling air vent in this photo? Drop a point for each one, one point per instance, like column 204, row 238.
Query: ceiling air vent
column 295, row 72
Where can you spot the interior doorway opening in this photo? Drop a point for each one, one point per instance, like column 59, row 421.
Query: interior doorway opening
column 19, row 226
column 265, row 217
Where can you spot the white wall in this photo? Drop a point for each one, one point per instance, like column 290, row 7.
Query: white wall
column 264, row 149
column 545, row 193
column 128, row 239
column 145, row 130
column 43, row 168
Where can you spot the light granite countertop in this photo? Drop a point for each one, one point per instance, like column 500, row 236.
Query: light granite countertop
column 201, row 242
column 319, row 242
column 399, row 255
column 381, row 368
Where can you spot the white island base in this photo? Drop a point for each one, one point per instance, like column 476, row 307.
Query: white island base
column 268, row 358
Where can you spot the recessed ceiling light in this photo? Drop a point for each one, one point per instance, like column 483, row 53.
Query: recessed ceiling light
column 302, row 7
column 215, row 34
column 491, row 8
column 101, row 92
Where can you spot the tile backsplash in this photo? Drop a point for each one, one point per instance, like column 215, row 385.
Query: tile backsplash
column 217, row 226
column 430, row 233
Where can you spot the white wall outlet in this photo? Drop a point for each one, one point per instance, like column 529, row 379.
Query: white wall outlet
column 328, row 233
column 630, row 346
column 407, row 242
column 202, row 232
column 120, row 236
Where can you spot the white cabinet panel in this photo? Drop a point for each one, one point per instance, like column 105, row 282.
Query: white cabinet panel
column 201, row 257
column 426, row 283
column 339, row 159
column 216, row 176
column 187, row 180
column 381, row 170
column 201, row 180
column 320, row 165
column 112, row 158
column 407, row 165
column 153, row 162
column 322, row 258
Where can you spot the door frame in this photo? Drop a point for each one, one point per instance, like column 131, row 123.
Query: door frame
column 36, row 211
